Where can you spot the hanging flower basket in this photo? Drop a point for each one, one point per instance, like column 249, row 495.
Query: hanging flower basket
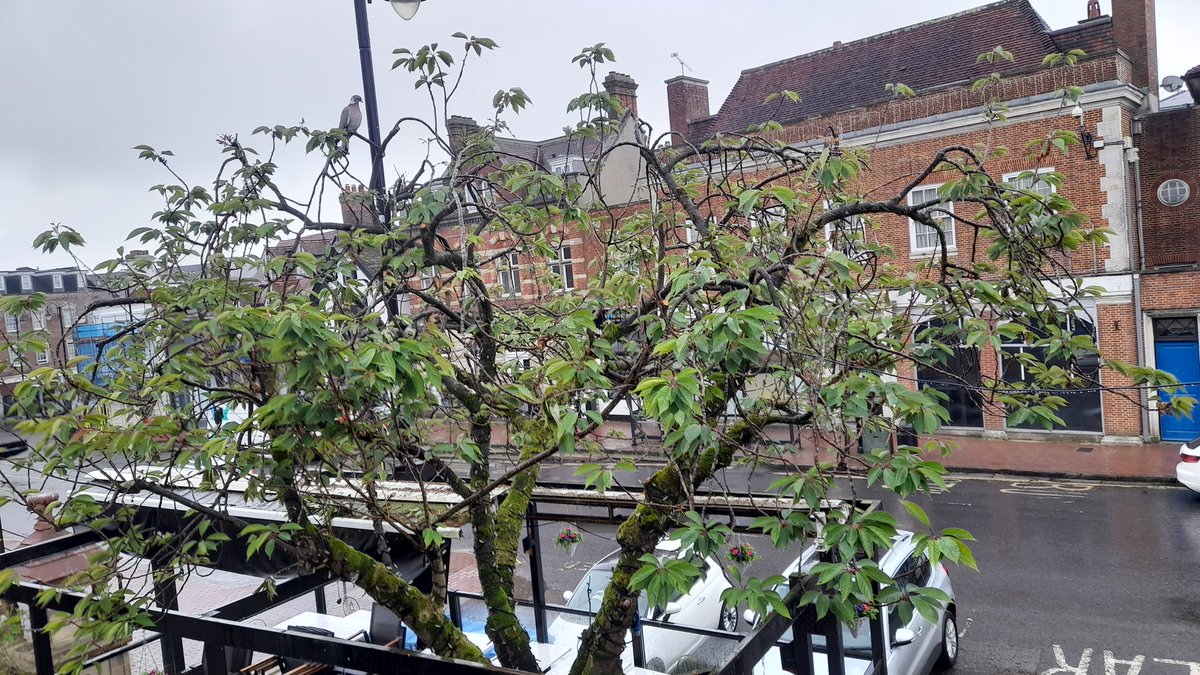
column 568, row 538
column 867, row 611
column 742, row 554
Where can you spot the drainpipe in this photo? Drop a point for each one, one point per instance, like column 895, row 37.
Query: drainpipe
column 1143, row 397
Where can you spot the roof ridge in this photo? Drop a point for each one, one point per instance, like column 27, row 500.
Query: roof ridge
column 896, row 31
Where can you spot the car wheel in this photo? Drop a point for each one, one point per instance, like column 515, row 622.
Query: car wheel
column 690, row 664
column 728, row 619
column 949, row 655
column 656, row 664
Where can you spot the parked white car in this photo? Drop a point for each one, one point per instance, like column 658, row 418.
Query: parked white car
column 666, row 651
column 914, row 648
column 1188, row 469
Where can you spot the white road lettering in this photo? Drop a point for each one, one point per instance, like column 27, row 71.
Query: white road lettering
column 1063, row 667
column 1111, row 663
column 1193, row 667
column 1047, row 488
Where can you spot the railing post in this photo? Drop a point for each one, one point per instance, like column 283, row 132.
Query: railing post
column 455, row 609
column 319, row 596
column 214, row 659
column 167, row 596
column 639, row 647
column 43, row 652
column 533, row 548
column 878, row 644
column 801, row 651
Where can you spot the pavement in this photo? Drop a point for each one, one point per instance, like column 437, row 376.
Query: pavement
column 1059, row 458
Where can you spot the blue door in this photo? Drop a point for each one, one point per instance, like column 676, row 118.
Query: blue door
column 1177, row 352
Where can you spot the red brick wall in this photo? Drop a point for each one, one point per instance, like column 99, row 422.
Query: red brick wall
column 1115, row 326
column 1136, row 34
column 1169, row 147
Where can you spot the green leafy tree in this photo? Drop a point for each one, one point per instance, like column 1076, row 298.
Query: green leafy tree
column 719, row 305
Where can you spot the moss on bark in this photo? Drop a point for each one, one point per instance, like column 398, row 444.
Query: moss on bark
column 603, row 642
column 427, row 619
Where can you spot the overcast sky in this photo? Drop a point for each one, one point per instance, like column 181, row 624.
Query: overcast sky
column 83, row 82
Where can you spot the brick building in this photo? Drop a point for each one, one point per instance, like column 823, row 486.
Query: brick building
column 1167, row 216
column 843, row 93
column 68, row 293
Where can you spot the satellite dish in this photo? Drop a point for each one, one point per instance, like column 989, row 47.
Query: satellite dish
column 1172, row 83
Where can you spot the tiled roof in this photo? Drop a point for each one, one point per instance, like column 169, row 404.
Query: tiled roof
column 543, row 152
column 1093, row 37
column 855, row 74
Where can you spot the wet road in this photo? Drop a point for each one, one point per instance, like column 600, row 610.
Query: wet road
column 1075, row 577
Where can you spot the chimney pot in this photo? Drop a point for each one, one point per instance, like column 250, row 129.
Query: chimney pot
column 1093, row 9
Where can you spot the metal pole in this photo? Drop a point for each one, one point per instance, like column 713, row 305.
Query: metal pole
column 639, row 646
column 43, row 653
column 319, row 594
column 534, row 550
column 368, row 78
column 167, row 596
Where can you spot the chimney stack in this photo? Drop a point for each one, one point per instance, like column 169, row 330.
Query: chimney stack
column 687, row 101
column 1093, row 9
column 460, row 130
column 1135, row 33
column 623, row 88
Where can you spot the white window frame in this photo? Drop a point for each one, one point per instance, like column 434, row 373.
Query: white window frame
column 948, row 226
column 1012, row 179
column 26, row 282
column 42, row 358
column 70, row 348
column 857, row 225
column 690, row 234
column 82, row 281
column 38, row 320
column 508, row 275
column 58, row 282
column 14, row 356
column 67, row 314
column 1173, row 182
column 12, row 323
column 561, row 166
column 563, row 268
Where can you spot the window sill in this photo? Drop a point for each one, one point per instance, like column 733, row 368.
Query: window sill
column 926, row 253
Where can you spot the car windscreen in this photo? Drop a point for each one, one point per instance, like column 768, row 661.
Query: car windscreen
column 590, row 592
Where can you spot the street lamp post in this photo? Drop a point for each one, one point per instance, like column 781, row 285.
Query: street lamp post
column 406, row 9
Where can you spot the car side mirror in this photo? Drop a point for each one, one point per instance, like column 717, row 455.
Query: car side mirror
column 671, row 608
column 567, row 595
column 750, row 616
column 903, row 637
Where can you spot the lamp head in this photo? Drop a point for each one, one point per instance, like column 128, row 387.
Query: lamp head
column 407, row 9
column 1077, row 112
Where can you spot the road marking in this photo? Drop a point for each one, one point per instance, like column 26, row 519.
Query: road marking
column 1063, row 667
column 1048, row 488
column 1110, row 664
column 1132, row 666
column 1193, row 667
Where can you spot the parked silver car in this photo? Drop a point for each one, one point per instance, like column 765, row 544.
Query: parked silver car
column 914, row 648
column 666, row 651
